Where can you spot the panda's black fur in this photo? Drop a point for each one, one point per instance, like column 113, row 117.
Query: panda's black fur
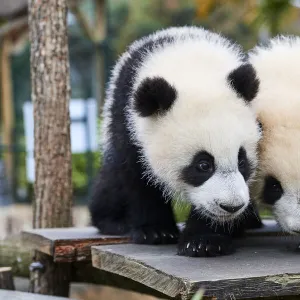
column 124, row 200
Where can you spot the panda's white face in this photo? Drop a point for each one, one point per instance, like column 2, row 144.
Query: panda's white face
column 206, row 158
column 287, row 212
column 205, row 150
column 188, row 115
column 284, row 198
column 277, row 106
column 278, row 179
column 223, row 196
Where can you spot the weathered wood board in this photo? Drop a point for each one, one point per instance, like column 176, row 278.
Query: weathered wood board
column 6, row 279
column 68, row 244
column 73, row 244
column 13, row 295
column 263, row 266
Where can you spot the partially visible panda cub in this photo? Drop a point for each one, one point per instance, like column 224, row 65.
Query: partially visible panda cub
column 278, row 108
column 177, row 120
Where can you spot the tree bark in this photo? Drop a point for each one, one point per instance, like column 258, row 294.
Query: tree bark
column 7, row 109
column 50, row 82
column 100, row 59
column 50, row 95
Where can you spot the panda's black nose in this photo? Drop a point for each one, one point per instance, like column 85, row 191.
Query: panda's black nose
column 230, row 208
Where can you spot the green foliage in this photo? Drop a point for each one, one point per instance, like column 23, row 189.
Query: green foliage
column 81, row 172
column 132, row 19
column 181, row 210
column 198, row 295
column 272, row 13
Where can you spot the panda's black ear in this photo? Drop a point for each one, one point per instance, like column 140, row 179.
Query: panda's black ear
column 154, row 96
column 244, row 82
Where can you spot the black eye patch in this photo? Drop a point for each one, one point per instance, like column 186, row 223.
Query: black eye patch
column 200, row 170
column 260, row 126
column 243, row 164
column 272, row 190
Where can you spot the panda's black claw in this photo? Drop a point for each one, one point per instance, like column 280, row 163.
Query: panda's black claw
column 154, row 236
column 205, row 246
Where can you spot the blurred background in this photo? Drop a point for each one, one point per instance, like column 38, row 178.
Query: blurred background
column 99, row 31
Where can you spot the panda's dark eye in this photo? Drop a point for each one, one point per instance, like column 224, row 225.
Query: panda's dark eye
column 204, row 166
column 200, row 169
column 260, row 126
column 276, row 187
column 272, row 190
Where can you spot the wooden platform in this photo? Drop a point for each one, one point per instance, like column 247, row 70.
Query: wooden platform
column 265, row 264
column 12, row 295
column 73, row 244
column 68, row 244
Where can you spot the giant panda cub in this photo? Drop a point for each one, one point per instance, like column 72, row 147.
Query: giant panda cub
column 177, row 120
column 277, row 106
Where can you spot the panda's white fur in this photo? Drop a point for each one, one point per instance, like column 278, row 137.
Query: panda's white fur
column 207, row 114
column 278, row 108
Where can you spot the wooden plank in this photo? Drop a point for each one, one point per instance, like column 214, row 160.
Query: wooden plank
column 6, row 279
column 68, row 244
column 263, row 266
column 13, row 295
column 73, row 244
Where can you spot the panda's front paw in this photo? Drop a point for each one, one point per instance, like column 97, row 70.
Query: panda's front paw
column 205, row 245
column 154, row 236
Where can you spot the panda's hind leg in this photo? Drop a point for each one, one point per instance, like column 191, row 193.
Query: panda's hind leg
column 108, row 205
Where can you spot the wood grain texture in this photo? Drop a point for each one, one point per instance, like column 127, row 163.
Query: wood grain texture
column 68, row 244
column 50, row 93
column 261, row 267
column 6, row 279
column 13, row 295
column 50, row 81
column 73, row 244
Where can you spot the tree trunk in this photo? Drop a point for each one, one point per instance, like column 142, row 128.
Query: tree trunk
column 7, row 109
column 100, row 59
column 50, row 82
